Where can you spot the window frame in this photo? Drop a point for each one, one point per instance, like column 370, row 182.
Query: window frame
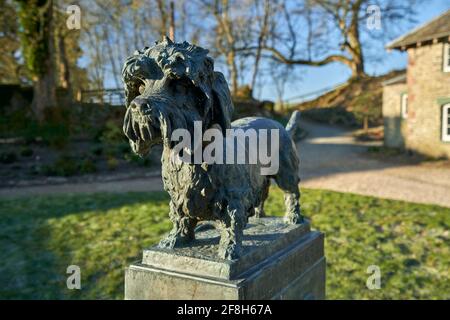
column 446, row 58
column 404, row 105
column 445, row 122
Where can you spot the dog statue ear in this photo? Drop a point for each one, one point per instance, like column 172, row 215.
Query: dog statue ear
column 222, row 106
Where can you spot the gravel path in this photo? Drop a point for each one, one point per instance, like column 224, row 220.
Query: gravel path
column 330, row 159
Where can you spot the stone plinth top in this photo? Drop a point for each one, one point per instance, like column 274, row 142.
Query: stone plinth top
column 263, row 239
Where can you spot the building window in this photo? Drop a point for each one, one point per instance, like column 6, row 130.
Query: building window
column 446, row 123
column 447, row 57
column 404, row 105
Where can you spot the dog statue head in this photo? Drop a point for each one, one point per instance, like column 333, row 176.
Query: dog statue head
column 169, row 86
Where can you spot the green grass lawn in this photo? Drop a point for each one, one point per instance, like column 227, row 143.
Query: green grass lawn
column 102, row 233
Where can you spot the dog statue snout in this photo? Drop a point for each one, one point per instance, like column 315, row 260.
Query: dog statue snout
column 140, row 105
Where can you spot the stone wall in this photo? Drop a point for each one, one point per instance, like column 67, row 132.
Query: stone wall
column 394, row 125
column 427, row 85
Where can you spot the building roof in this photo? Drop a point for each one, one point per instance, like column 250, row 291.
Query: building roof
column 436, row 29
column 398, row 79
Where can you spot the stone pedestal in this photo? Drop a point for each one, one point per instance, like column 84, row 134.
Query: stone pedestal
column 279, row 261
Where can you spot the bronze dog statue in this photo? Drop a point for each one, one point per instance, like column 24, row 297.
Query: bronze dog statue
column 170, row 86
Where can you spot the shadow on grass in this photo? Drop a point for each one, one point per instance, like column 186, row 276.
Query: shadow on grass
column 101, row 233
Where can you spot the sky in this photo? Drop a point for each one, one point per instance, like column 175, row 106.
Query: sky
column 318, row 78
column 313, row 79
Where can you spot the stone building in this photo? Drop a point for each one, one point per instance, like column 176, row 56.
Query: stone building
column 416, row 105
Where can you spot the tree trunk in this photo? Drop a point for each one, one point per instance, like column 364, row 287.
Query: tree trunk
column 358, row 70
column 357, row 61
column 44, row 94
column 63, row 64
column 114, row 68
column 226, row 27
column 261, row 38
column 353, row 44
column 44, row 88
column 172, row 22
column 366, row 124
column 231, row 61
column 163, row 16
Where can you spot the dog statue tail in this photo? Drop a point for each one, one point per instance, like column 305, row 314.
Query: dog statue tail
column 293, row 126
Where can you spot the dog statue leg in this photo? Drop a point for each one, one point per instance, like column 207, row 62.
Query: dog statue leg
column 293, row 214
column 182, row 231
column 230, row 246
column 259, row 210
